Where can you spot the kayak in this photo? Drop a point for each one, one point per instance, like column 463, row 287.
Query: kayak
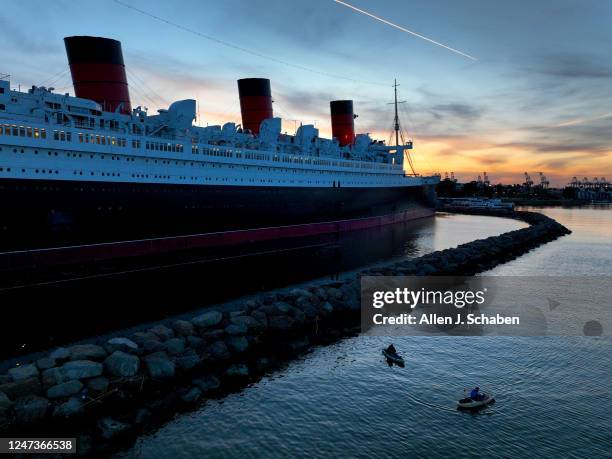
column 395, row 358
column 470, row 404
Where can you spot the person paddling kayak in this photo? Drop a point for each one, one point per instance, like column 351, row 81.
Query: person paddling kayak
column 391, row 349
column 475, row 394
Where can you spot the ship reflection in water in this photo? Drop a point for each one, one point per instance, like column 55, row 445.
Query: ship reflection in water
column 69, row 304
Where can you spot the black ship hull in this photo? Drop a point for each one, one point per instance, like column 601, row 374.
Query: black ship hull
column 52, row 213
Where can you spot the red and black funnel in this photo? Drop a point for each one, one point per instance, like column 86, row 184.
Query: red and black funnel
column 343, row 124
column 255, row 102
column 98, row 72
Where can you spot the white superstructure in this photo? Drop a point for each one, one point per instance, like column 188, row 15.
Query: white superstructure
column 45, row 135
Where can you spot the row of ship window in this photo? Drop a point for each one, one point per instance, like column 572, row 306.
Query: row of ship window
column 121, row 142
column 94, row 139
column 22, row 131
column 66, row 136
column 168, row 162
column 167, row 177
column 159, row 146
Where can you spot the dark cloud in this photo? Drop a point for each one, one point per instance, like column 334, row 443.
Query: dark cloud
column 571, row 65
column 492, row 161
column 295, row 103
column 304, row 23
column 591, row 148
column 456, row 110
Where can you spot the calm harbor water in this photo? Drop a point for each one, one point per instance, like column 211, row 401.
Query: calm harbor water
column 553, row 393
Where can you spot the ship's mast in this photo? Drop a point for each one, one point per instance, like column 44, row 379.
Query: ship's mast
column 396, row 125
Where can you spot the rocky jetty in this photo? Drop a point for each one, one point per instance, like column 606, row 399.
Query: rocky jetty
column 105, row 393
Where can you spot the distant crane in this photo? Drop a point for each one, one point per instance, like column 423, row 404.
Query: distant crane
column 528, row 182
column 543, row 181
column 453, row 179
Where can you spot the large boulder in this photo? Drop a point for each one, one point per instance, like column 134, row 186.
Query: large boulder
column 299, row 292
column 333, row 292
column 65, row 389
column 310, row 312
column 239, row 370
column 218, row 351
column 207, row 383
column 122, row 364
column 303, row 301
column 326, row 308
column 195, row 342
column 51, row 377
column 174, row 346
column 320, row 293
column 162, row 332
column 183, row 328
column 208, row 319
column 298, row 316
column 98, row 385
column 192, row 395
column 87, row 352
column 60, row 354
column 80, row 369
column 160, row 366
column 30, row 409
column 187, row 360
column 213, row 335
column 110, row 428
column 23, row 372
column 45, row 363
column 280, row 323
column 122, row 344
column 280, row 307
column 236, row 329
column 261, row 318
column 71, row 407
column 21, row 388
column 152, row 345
column 249, row 322
column 237, row 344
column 141, row 337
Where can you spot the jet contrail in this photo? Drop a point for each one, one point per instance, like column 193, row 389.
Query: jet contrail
column 583, row 120
column 405, row 30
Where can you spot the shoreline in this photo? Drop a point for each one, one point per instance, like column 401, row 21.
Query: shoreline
column 113, row 391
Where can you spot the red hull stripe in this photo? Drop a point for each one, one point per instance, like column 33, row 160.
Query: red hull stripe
column 111, row 250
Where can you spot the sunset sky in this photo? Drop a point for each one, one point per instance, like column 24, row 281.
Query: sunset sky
column 538, row 97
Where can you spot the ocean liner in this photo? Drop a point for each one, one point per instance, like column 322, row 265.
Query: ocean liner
column 91, row 169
